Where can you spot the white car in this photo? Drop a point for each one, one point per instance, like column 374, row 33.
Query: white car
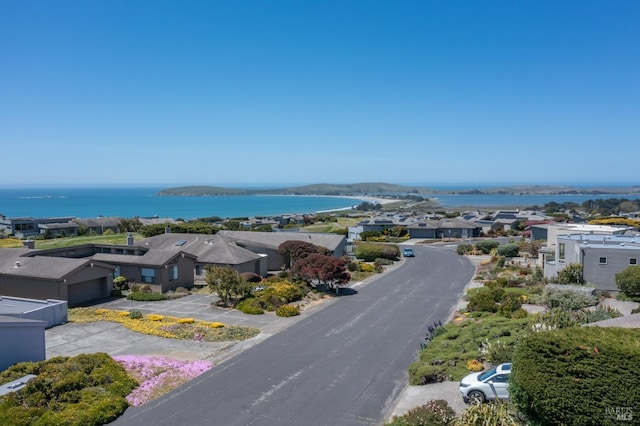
column 488, row 385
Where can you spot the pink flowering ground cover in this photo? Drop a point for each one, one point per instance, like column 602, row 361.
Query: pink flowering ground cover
column 158, row 375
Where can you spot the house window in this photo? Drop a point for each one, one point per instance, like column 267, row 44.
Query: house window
column 173, row 273
column 561, row 251
column 116, row 272
column 148, row 275
column 602, row 261
column 198, row 269
column 633, row 261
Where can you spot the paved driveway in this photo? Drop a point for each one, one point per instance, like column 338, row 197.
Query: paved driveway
column 72, row 338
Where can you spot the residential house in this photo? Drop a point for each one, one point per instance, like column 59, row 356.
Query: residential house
column 25, row 273
column 268, row 243
column 23, row 227
column 601, row 256
column 445, row 228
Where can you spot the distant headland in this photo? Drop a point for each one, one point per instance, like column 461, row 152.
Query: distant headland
column 388, row 189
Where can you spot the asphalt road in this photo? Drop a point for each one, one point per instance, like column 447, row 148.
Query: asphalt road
column 344, row 365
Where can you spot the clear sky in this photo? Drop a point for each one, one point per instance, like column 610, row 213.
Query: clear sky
column 239, row 92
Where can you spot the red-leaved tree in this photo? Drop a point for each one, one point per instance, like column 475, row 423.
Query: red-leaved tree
column 319, row 269
column 293, row 250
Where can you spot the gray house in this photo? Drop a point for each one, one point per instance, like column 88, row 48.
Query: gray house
column 601, row 256
column 24, row 273
column 267, row 243
column 445, row 228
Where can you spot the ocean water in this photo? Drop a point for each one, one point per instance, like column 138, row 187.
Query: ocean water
column 130, row 202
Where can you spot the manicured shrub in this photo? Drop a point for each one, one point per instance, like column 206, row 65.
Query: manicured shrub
column 146, row 288
column 369, row 252
column 508, row 250
column 433, row 413
column 486, row 246
column 146, row 297
column 250, row 306
column 287, row 311
column 577, row 376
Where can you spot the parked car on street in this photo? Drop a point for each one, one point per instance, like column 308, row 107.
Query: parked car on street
column 408, row 252
column 486, row 386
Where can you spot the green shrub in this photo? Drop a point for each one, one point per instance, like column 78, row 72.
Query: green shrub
column 498, row 352
column 509, row 304
column 508, row 250
column 628, row 281
column 571, row 274
column 146, row 297
column 120, row 283
column 498, row 413
column 423, row 374
column 287, row 311
column 134, row 288
column 566, row 299
column 486, row 246
column 250, row 306
column 576, row 376
column 135, row 314
column 433, row 413
column 484, row 299
column 83, row 390
column 558, row 318
column 369, row 252
column 464, row 249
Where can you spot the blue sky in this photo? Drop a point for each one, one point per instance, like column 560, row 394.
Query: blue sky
column 291, row 92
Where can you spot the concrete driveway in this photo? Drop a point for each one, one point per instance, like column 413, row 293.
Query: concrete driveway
column 75, row 338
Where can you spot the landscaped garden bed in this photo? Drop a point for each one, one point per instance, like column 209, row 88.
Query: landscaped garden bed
column 166, row 326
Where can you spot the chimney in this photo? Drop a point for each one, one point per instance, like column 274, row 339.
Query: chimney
column 29, row 244
column 129, row 239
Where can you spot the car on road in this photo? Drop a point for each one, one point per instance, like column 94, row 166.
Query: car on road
column 486, row 386
column 408, row 252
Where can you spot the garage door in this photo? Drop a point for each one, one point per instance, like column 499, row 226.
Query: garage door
column 87, row 291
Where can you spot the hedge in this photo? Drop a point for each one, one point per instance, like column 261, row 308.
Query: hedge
column 578, row 376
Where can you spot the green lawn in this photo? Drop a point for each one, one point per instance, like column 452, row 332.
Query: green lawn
column 88, row 239
column 331, row 227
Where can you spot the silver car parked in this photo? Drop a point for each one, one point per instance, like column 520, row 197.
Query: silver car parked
column 488, row 385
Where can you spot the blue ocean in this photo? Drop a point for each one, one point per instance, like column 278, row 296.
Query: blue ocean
column 130, row 202
column 142, row 202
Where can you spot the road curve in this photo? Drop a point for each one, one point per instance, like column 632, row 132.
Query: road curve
column 344, row 365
